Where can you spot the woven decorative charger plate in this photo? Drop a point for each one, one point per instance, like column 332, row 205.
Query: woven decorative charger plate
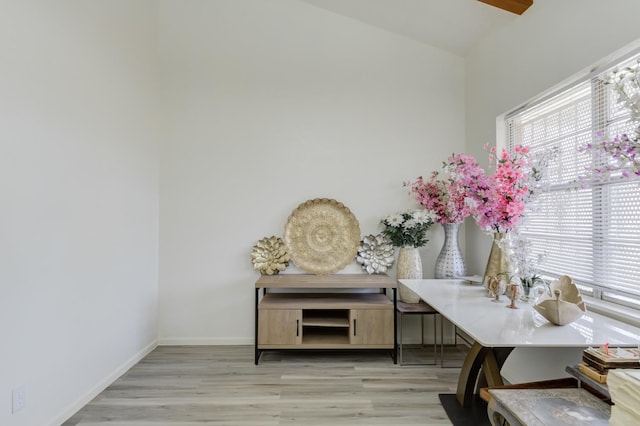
column 322, row 236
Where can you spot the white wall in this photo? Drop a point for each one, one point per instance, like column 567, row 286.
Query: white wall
column 267, row 105
column 263, row 105
column 79, row 200
column 552, row 41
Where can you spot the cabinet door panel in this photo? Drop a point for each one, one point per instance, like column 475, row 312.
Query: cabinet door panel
column 279, row 326
column 371, row 327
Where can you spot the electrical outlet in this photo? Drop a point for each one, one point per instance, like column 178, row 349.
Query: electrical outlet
column 19, row 399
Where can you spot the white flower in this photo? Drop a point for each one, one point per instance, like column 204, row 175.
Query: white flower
column 470, row 203
column 422, row 216
column 409, row 224
column 394, row 220
column 626, row 77
column 403, row 229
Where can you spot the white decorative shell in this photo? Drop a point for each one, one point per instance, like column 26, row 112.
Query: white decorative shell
column 270, row 256
column 375, row 254
column 563, row 303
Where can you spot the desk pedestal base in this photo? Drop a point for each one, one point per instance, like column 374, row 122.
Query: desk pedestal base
column 480, row 359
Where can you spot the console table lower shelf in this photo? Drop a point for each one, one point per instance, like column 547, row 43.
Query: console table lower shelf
column 325, row 321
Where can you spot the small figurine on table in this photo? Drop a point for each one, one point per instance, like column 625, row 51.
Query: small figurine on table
column 496, row 287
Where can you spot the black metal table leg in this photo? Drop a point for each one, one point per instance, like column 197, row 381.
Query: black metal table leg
column 257, row 352
column 395, row 326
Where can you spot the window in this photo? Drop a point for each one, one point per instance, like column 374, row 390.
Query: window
column 587, row 230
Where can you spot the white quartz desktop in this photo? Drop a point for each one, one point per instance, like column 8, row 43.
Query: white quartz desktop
column 493, row 324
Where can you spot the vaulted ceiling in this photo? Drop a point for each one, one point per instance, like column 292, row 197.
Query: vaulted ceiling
column 452, row 25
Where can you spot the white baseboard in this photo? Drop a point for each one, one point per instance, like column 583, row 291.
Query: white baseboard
column 102, row 385
column 200, row 341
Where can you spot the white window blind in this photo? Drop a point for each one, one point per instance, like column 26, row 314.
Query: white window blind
column 587, row 230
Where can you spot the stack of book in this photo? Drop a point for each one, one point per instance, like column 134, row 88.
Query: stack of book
column 624, row 387
column 598, row 361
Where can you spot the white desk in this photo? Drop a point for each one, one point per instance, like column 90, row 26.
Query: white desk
column 497, row 330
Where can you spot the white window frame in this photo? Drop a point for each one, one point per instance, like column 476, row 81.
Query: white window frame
column 597, row 296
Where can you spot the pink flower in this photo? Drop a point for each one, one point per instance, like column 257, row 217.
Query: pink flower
column 445, row 198
column 498, row 201
column 618, row 156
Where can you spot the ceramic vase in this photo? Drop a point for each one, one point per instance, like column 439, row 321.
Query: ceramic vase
column 499, row 263
column 409, row 266
column 450, row 263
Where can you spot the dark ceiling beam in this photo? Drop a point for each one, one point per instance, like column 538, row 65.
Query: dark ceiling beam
column 514, row 6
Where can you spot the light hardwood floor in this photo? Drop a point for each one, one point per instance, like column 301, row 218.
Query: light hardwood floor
column 220, row 385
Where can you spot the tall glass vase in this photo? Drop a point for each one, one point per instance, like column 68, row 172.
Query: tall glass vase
column 499, row 262
column 409, row 266
column 450, row 263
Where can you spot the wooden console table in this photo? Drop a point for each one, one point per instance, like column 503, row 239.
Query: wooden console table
column 303, row 319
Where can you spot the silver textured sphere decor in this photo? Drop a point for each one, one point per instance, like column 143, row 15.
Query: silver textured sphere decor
column 450, row 263
column 375, row 254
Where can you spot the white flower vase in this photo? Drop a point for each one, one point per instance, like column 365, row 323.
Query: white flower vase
column 409, row 266
column 450, row 263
